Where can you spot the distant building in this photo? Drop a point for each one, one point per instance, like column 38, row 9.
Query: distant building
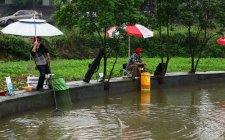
column 46, row 7
column 37, row 2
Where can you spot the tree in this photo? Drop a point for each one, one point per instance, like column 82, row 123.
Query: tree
column 165, row 16
column 95, row 17
column 219, row 15
column 198, row 18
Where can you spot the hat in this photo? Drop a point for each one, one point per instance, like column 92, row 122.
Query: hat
column 138, row 50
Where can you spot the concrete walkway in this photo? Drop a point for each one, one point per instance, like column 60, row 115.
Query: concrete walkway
column 31, row 100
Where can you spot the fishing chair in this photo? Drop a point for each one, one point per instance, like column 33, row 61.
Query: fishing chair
column 128, row 73
column 125, row 72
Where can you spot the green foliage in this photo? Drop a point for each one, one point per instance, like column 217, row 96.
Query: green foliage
column 97, row 14
column 197, row 14
column 187, row 10
column 81, row 41
column 14, row 47
column 95, row 17
column 219, row 14
column 214, row 49
column 74, row 46
column 166, row 11
column 76, row 69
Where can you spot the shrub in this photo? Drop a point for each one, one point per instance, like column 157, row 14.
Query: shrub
column 14, row 47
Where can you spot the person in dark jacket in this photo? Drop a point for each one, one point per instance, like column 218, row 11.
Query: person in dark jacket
column 42, row 59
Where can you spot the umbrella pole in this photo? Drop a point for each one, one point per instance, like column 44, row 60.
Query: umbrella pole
column 129, row 47
column 30, row 57
column 28, row 68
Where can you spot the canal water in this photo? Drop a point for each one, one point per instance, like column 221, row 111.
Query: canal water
column 180, row 113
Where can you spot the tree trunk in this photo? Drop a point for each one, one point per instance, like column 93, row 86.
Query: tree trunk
column 106, row 84
column 192, row 64
column 167, row 63
column 105, row 58
column 191, row 50
column 105, row 64
column 160, row 33
column 199, row 56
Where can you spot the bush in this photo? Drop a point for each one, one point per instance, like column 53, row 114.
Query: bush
column 14, row 47
column 73, row 45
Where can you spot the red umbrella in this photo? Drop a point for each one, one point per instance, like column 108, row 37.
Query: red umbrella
column 136, row 30
column 221, row 41
column 111, row 32
column 139, row 31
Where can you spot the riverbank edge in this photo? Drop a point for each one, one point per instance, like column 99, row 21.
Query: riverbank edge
column 79, row 90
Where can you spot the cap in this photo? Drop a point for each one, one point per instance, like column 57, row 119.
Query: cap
column 138, row 50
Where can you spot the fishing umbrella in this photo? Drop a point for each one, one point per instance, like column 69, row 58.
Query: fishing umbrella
column 137, row 30
column 221, row 41
column 31, row 27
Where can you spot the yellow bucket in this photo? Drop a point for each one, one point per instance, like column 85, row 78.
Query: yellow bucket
column 145, row 80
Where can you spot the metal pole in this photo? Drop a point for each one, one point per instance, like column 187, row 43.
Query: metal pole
column 34, row 19
column 129, row 48
column 33, row 4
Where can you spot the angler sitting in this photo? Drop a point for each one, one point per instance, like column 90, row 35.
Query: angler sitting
column 135, row 64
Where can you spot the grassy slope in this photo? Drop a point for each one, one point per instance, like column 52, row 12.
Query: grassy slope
column 76, row 69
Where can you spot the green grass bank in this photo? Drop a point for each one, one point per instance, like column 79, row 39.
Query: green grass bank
column 76, row 69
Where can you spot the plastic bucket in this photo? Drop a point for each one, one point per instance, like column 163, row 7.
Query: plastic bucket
column 145, row 81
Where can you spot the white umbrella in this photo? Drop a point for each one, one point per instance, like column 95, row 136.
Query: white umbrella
column 31, row 27
column 136, row 30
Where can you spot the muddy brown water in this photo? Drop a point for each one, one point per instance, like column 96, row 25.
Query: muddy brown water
column 181, row 113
